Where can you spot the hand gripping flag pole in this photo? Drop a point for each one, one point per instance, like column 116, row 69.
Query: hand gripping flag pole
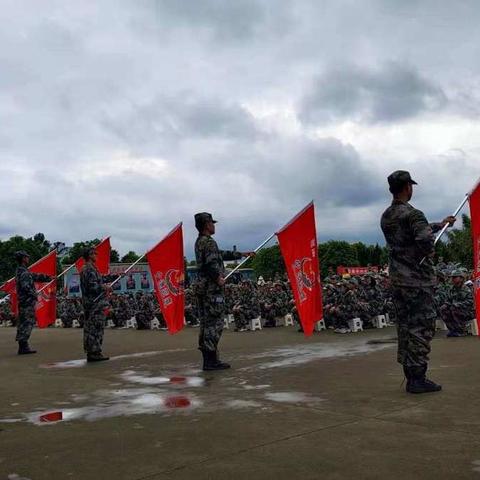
column 247, row 258
column 455, row 213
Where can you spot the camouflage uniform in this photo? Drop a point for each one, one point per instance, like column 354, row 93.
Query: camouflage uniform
column 94, row 306
column 457, row 309
column 27, row 299
column 210, row 295
column 409, row 239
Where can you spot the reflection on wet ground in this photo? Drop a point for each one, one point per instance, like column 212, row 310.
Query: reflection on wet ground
column 184, row 390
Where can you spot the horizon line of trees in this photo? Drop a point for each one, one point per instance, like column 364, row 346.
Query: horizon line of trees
column 457, row 247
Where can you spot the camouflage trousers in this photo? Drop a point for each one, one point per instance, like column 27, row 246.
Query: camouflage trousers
column 455, row 319
column 26, row 322
column 211, row 312
column 93, row 330
column 416, row 315
column 240, row 318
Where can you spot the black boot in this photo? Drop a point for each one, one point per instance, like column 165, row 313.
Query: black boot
column 406, row 372
column 24, row 348
column 96, row 357
column 419, row 383
column 218, row 363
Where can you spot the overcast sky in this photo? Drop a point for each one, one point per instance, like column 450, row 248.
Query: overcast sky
column 123, row 118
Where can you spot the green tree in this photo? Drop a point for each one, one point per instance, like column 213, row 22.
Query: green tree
column 77, row 251
column 37, row 247
column 458, row 247
column 114, row 256
column 130, row 257
column 337, row 252
column 268, row 262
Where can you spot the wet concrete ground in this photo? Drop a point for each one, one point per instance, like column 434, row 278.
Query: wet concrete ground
column 326, row 407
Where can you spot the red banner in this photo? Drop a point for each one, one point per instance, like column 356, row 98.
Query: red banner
column 10, row 288
column 298, row 244
column 166, row 264
column 103, row 258
column 475, row 216
column 46, row 307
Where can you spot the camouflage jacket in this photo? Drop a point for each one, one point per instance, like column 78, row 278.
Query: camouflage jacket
column 460, row 298
column 409, row 239
column 91, row 284
column 25, row 281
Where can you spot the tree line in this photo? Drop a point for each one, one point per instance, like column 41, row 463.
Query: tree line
column 457, row 247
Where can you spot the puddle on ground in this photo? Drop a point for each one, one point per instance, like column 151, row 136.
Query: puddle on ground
column 83, row 362
column 301, row 354
column 134, row 377
column 183, row 390
column 290, row 397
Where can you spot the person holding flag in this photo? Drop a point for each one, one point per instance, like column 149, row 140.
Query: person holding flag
column 210, row 291
column 94, row 299
column 410, row 242
column 27, row 300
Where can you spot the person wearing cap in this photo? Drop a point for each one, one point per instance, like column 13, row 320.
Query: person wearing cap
column 410, row 238
column 94, row 299
column 210, row 291
column 457, row 309
column 27, row 299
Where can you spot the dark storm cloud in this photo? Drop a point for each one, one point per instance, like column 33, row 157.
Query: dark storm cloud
column 392, row 93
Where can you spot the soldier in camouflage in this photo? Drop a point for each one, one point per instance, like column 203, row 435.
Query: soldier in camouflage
column 27, row 299
column 457, row 309
column 410, row 238
column 210, row 291
column 94, row 298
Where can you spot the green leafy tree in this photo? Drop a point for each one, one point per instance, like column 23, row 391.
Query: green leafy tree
column 335, row 253
column 114, row 256
column 268, row 262
column 37, row 247
column 77, row 251
column 130, row 257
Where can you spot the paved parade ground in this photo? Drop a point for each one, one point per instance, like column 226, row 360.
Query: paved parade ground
column 328, row 407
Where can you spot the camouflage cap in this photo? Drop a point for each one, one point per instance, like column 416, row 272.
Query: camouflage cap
column 20, row 254
column 202, row 218
column 399, row 178
column 459, row 272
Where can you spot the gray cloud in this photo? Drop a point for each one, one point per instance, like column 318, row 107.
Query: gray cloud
column 123, row 119
column 392, row 93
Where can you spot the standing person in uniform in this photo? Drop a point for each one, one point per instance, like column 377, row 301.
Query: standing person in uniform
column 210, row 290
column 410, row 238
column 27, row 299
column 94, row 299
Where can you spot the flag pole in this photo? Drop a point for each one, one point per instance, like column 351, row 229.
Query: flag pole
column 247, row 258
column 127, row 270
column 457, row 211
column 120, row 276
column 56, row 278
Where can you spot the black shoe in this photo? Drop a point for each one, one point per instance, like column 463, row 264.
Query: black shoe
column 96, row 357
column 419, row 383
column 24, row 348
column 218, row 363
column 211, row 363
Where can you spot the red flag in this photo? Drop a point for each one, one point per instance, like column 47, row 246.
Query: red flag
column 167, row 268
column 298, row 244
column 10, row 288
column 46, row 307
column 103, row 258
column 475, row 216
